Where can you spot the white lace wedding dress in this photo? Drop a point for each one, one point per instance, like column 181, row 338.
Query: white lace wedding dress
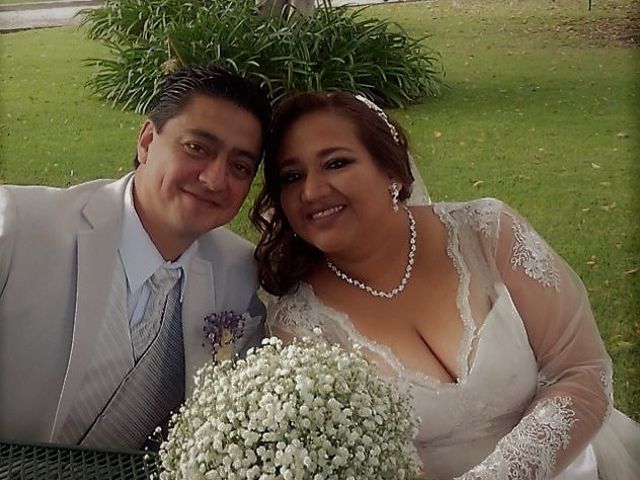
column 536, row 380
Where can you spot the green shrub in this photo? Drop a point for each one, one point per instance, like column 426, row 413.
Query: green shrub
column 337, row 48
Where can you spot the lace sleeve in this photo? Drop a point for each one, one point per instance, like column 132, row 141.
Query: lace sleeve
column 292, row 316
column 574, row 394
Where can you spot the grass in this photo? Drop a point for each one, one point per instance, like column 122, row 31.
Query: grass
column 541, row 112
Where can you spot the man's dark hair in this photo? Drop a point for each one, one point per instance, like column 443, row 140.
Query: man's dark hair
column 212, row 81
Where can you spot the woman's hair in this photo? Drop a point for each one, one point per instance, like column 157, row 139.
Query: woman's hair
column 284, row 258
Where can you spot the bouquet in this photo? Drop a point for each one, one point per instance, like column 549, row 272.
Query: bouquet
column 302, row 411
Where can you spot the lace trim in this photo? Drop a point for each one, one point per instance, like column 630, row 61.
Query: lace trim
column 544, row 381
column 482, row 216
column 382, row 350
column 307, row 301
column 530, row 451
column 462, row 298
column 606, row 378
column 294, row 312
column 531, row 252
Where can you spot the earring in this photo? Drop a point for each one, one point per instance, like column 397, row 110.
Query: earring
column 394, row 190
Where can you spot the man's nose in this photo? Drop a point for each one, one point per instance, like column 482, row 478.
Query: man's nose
column 215, row 173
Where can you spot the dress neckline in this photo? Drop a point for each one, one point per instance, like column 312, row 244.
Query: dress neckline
column 470, row 332
column 386, row 353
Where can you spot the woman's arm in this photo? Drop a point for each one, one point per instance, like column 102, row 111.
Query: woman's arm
column 574, row 395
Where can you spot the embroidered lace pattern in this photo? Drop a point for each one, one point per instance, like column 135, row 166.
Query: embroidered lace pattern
column 529, row 250
column 462, row 300
column 544, row 381
column 530, row 450
column 532, row 254
column 482, row 216
column 607, row 381
column 295, row 313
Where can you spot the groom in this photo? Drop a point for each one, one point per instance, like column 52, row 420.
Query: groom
column 104, row 286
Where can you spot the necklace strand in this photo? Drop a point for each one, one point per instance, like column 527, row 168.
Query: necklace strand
column 407, row 271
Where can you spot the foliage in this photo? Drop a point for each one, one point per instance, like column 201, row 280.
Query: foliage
column 337, row 48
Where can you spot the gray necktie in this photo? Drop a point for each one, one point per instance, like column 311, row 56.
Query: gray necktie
column 164, row 302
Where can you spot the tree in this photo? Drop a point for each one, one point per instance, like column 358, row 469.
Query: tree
column 287, row 8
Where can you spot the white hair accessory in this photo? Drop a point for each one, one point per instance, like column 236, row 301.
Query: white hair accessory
column 382, row 115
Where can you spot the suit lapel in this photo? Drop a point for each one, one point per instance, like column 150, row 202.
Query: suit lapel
column 199, row 301
column 97, row 253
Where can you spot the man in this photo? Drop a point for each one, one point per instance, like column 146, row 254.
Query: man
column 104, row 286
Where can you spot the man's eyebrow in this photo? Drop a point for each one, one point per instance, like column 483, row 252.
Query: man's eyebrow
column 215, row 140
column 205, row 134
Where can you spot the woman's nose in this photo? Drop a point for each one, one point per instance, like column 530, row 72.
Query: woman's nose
column 314, row 188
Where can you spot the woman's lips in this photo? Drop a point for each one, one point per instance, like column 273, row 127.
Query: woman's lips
column 326, row 212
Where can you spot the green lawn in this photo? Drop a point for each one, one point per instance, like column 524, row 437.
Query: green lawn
column 541, row 111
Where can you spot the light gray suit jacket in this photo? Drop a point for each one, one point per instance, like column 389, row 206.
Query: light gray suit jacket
column 58, row 249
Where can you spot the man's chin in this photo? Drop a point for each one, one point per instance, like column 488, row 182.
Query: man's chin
column 206, row 223
column 196, row 216
column 199, row 201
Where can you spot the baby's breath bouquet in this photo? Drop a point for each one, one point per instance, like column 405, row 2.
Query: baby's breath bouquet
column 302, row 411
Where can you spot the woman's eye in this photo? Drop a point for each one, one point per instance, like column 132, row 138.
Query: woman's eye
column 336, row 163
column 289, row 177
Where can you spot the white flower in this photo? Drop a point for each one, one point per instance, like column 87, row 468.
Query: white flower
column 305, row 411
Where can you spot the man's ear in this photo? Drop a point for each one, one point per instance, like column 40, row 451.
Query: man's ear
column 145, row 138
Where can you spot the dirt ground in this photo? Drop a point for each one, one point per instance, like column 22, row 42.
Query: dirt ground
column 621, row 29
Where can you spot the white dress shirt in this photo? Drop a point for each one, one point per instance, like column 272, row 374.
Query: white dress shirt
column 140, row 259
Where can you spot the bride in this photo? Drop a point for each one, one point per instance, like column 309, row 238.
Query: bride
column 464, row 302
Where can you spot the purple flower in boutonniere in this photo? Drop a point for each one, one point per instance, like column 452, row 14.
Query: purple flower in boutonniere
column 223, row 329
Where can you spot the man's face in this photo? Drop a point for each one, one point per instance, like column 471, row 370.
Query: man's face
column 195, row 172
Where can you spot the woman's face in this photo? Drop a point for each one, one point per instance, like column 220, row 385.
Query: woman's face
column 332, row 191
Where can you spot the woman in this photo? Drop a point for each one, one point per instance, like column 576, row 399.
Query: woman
column 464, row 301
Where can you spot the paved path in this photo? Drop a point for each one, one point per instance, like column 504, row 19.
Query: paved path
column 58, row 13
column 42, row 14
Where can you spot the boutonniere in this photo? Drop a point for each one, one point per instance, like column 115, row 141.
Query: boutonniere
column 222, row 330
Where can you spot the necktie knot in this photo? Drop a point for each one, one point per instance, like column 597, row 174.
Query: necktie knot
column 164, row 279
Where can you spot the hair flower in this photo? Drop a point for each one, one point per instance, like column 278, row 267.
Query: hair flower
column 222, row 330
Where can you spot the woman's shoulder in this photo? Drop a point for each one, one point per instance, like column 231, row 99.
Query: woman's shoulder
column 294, row 306
column 482, row 215
column 470, row 207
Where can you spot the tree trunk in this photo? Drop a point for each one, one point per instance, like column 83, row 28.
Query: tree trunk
column 286, row 8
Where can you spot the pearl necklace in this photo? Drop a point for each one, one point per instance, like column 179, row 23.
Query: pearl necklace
column 407, row 271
